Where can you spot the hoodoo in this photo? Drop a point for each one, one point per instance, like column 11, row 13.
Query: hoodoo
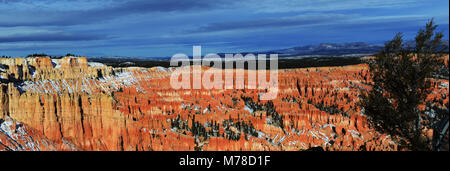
column 72, row 104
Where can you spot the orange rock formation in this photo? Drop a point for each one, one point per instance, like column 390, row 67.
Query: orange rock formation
column 71, row 104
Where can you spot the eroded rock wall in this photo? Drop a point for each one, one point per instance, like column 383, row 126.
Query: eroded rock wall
column 95, row 107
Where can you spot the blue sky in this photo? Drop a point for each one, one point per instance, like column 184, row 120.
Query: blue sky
column 160, row 28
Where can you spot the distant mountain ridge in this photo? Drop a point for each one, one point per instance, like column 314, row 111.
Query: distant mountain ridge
column 350, row 49
column 356, row 49
column 330, row 49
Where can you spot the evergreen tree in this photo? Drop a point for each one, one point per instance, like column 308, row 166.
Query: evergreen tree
column 401, row 83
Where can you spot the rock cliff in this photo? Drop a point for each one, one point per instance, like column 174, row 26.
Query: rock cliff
column 72, row 104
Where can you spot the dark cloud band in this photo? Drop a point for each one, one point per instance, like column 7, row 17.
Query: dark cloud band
column 45, row 37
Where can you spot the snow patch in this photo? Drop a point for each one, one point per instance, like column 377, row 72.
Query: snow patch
column 96, row 64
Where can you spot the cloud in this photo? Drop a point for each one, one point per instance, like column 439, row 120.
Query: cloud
column 300, row 20
column 312, row 20
column 41, row 15
column 131, row 26
column 50, row 36
column 277, row 6
column 77, row 12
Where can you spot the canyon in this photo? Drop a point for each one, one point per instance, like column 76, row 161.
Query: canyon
column 70, row 104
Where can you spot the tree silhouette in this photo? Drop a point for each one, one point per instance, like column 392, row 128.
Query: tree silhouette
column 400, row 75
column 37, row 55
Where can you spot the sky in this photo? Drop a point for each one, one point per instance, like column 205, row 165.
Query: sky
column 162, row 28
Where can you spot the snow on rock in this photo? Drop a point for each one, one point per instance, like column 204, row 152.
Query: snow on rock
column 96, row 64
column 14, row 136
column 56, row 63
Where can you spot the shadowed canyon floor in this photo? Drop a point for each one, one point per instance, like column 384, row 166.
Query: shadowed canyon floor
column 73, row 104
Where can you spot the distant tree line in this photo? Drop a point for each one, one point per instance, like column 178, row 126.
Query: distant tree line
column 53, row 57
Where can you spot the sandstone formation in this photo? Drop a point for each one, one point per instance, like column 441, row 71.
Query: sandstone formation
column 72, row 104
